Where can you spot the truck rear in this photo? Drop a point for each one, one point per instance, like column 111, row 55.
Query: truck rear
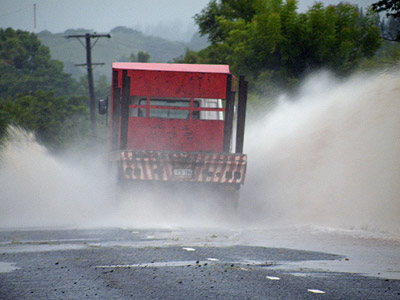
column 174, row 124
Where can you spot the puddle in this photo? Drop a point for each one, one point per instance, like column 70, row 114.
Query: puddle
column 321, row 268
column 25, row 248
column 160, row 264
column 309, row 274
column 256, row 263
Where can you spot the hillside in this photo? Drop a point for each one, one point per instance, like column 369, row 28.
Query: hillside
column 123, row 42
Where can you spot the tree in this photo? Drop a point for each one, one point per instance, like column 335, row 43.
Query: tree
column 269, row 40
column 26, row 66
column 387, row 58
column 142, row 56
column 391, row 7
column 36, row 94
column 390, row 29
column 55, row 120
column 102, row 87
column 209, row 18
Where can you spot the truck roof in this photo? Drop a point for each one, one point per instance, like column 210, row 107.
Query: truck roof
column 194, row 68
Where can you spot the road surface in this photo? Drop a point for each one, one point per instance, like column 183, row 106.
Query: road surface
column 129, row 263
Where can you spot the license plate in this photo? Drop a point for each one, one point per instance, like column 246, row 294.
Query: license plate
column 183, row 172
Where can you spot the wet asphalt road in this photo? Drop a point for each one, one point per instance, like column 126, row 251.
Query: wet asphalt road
column 140, row 264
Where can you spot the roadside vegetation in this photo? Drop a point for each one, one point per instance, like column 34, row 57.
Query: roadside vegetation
column 268, row 41
column 275, row 46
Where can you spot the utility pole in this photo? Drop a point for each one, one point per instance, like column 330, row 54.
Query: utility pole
column 34, row 17
column 89, row 64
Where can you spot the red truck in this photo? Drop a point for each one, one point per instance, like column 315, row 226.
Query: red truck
column 174, row 124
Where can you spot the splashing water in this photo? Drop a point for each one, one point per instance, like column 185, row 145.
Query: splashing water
column 39, row 190
column 328, row 156
column 42, row 190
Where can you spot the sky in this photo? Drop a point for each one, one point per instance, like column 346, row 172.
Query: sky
column 156, row 17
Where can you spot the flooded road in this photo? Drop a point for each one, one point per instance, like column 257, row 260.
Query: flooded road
column 131, row 263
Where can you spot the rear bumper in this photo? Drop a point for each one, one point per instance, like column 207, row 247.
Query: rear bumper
column 181, row 166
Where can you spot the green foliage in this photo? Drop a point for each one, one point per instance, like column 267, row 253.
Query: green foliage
column 102, row 87
column 26, row 66
column 198, row 42
column 391, row 7
column 5, row 119
column 132, row 57
column 216, row 11
column 390, row 27
column 55, row 120
column 387, row 58
column 273, row 45
column 36, row 94
column 142, row 56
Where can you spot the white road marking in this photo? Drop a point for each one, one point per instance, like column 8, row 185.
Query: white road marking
column 189, row 249
column 272, row 278
column 315, row 291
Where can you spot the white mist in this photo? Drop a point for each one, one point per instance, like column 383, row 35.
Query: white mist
column 40, row 190
column 329, row 156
